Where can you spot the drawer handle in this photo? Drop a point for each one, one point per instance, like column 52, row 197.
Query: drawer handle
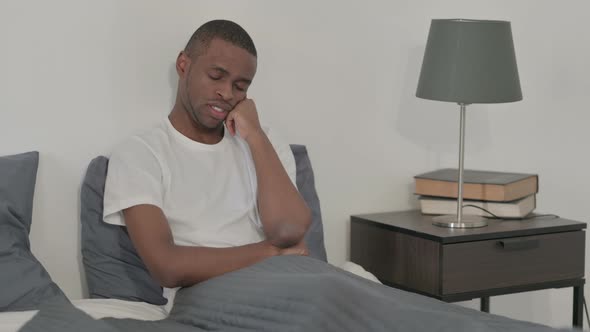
column 519, row 244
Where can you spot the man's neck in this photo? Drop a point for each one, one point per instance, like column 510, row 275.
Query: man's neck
column 183, row 123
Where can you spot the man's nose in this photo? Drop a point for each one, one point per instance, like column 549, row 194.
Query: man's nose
column 225, row 92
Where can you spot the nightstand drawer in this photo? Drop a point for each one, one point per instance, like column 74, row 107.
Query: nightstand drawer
column 505, row 262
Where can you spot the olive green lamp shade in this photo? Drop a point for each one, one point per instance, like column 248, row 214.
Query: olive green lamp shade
column 469, row 61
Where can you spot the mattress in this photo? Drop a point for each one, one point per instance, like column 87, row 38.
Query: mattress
column 97, row 308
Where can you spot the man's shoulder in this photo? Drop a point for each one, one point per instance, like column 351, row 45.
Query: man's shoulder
column 276, row 138
column 151, row 140
column 273, row 135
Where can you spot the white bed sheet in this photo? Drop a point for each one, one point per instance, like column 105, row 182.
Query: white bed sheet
column 97, row 308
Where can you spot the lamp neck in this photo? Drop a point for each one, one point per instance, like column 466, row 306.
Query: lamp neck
column 463, row 107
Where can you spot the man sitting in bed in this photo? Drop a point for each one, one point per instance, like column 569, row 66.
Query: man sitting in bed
column 208, row 191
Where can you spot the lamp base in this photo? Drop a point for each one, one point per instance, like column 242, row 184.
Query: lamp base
column 467, row 221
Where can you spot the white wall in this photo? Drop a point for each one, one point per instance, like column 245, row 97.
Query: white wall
column 77, row 76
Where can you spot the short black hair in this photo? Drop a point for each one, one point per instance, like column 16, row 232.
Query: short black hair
column 223, row 29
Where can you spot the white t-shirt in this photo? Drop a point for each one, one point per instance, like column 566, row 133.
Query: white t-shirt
column 207, row 192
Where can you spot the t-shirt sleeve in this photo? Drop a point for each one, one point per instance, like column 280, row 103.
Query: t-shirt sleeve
column 134, row 177
column 284, row 153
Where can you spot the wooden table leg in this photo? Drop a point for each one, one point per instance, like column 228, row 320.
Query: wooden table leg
column 485, row 304
column 578, row 307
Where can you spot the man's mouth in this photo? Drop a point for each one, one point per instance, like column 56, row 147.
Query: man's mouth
column 218, row 112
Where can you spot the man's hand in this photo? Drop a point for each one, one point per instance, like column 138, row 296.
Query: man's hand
column 299, row 249
column 244, row 119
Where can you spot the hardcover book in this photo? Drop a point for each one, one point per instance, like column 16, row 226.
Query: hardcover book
column 477, row 185
column 514, row 209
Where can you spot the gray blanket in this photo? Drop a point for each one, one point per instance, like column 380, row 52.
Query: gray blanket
column 291, row 293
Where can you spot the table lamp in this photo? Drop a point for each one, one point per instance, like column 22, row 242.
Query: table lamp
column 467, row 62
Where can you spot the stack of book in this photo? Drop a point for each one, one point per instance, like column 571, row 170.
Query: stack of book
column 506, row 195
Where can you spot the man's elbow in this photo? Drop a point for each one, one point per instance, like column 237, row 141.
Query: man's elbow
column 165, row 271
column 164, row 276
column 291, row 232
column 167, row 279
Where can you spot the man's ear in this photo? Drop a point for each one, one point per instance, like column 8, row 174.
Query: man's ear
column 182, row 64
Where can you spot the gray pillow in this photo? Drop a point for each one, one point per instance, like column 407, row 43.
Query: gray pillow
column 113, row 267
column 314, row 238
column 24, row 283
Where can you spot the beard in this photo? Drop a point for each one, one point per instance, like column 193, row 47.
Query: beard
column 199, row 118
column 198, row 112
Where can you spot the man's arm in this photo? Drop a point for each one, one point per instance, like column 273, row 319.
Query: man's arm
column 174, row 266
column 284, row 214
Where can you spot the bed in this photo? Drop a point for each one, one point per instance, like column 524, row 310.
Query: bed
column 284, row 293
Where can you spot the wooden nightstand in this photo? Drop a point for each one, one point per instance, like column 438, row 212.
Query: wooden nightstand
column 404, row 250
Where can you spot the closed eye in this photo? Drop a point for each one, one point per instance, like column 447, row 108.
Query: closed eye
column 216, row 73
